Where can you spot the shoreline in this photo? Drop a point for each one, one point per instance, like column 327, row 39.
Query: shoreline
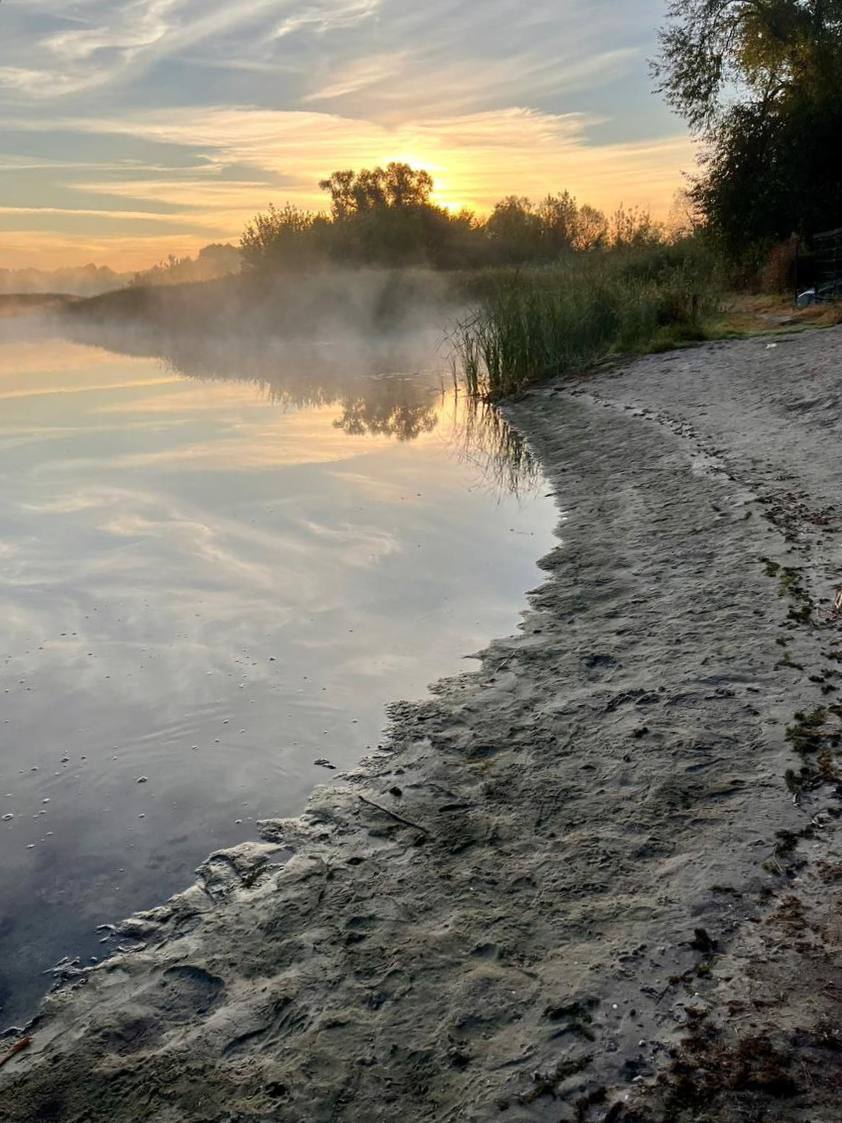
column 537, row 901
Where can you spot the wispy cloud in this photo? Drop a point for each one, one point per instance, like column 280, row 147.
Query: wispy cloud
column 325, row 17
column 131, row 28
column 362, row 74
column 117, row 41
column 100, row 42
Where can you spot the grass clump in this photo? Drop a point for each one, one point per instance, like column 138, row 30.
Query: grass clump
column 535, row 323
column 791, row 588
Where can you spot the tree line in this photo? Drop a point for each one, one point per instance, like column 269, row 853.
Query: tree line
column 219, row 259
column 386, row 216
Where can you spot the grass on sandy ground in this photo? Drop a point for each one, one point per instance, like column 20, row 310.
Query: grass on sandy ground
column 747, row 314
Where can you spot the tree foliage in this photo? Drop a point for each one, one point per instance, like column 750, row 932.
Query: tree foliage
column 284, row 237
column 395, row 187
column 760, row 82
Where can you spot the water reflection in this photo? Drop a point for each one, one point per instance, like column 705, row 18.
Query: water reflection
column 484, row 438
column 216, row 567
column 360, row 378
column 390, row 406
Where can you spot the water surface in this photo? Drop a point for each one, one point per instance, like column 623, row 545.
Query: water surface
column 215, row 570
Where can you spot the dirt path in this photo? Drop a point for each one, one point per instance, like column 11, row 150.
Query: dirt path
column 595, row 880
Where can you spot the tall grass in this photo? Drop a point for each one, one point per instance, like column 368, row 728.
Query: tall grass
column 534, row 323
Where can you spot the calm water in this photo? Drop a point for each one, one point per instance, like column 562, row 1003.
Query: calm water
column 215, row 570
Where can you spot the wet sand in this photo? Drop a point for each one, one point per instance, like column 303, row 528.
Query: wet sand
column 598, row 879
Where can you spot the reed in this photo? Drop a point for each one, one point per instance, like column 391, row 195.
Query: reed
column 535, row 323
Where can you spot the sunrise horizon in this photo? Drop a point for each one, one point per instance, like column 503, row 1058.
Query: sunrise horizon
column 132, row 132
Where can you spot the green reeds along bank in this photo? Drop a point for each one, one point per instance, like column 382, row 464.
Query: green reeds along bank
column 535, row 323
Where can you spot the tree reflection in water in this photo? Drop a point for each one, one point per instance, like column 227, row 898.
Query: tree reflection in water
column 294, row 375
column 395, row 405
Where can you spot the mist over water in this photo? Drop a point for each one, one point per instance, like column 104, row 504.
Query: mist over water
column 218, row 564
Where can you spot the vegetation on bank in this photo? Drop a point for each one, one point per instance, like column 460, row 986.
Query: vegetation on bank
column 532, row 324
column 210, row 264
column 550, row 285
column 760, row 85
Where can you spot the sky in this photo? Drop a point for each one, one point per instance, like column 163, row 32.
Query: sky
column 132, row 129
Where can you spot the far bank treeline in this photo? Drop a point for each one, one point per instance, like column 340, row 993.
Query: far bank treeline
column 386, row 217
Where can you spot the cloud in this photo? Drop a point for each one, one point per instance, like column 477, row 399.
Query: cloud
column 479, row 156
column 98, row 43
column 184, row 117
column 326, row 17
column 117, row 41
column 334, row 48
column 131, row 28
column 362, row 74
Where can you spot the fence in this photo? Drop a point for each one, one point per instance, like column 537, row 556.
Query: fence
column 827, row 255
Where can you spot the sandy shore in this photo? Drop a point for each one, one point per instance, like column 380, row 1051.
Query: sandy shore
column 599, row 879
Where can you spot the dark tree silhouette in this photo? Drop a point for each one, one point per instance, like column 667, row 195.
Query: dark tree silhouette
column 387, row 217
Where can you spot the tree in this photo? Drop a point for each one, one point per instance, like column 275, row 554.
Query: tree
column 559, row 215
column 760, row 83
column 591, row 229
column 771, row 48
column 683, row 218
column 283, row 238
column 514, row 230
column 397, row 185
column 218, row 260
column 630, row 227
column 340, row 186
column 383, row 216
column 407, row 187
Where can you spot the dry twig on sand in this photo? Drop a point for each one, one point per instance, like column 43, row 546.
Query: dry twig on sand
column 395, row 815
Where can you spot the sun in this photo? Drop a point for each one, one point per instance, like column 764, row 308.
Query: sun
column 416, row 162
column 454, row 206
column 443, row 194
column 447, row 195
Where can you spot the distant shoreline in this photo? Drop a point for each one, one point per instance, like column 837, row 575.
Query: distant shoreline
column 36, row 303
